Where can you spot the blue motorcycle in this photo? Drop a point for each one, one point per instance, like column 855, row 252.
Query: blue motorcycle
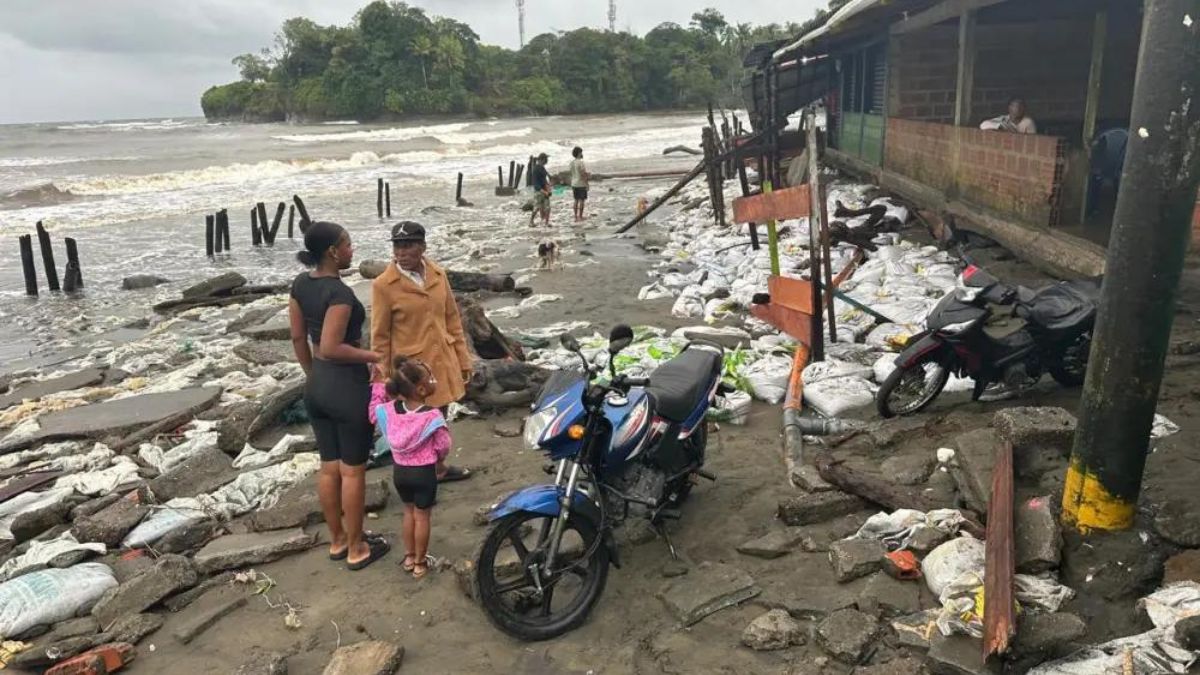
column 628, row 447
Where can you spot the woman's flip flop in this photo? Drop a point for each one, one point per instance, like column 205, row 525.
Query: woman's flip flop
column 379, row 547
column 454, row 473
column 340, row 556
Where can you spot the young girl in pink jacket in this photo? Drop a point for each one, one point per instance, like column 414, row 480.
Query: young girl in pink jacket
column 419, row 440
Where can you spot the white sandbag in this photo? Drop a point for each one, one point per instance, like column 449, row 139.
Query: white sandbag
column 48, row 596
column 897, row 529
column 94, row 483
column 1150, row 652
column 829, row 368
column 654, row 291
column 718, row 334
column 839, row 395
column 884, row 367
column 41, row 554
column 197, row 441
column 28, row 501
column 177, row 513
column 767, row 378
column 690, row 304
column 718, row 309
column 891, row 336
column 731, row 408
column 253, row 458
column 954, row 559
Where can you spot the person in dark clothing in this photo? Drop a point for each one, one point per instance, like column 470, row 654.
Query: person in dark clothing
column 326, row 328
column 541, row 191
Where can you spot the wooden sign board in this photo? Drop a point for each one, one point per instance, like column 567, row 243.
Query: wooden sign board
column 785, row 204
column 790, row 309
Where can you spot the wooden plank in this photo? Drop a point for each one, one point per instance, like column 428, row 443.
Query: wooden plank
column 786, row 204
column 999, row 622
column 795, row 294
column 819, row 223
column 966, row 68
column 938, row 13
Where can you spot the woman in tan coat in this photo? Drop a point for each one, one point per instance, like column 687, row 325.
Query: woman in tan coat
column 413, row 314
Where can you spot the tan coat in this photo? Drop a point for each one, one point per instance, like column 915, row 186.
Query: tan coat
column 421, row 323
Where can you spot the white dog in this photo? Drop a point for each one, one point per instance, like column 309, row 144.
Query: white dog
column 548, row 254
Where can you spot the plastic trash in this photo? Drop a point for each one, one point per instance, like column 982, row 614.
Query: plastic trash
column 891, row 336
column 197, row 441
column 123, row 471
column 689, row 305
column 1163, row 427
column 41, row 554
column 951, row 561
column 253, row 458
column 48, row 596
column 836, row 396
column 897, row 529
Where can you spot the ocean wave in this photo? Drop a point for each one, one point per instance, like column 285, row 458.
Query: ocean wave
column 140, row 125
column 339, row 123
column 481, row 136
column 375, row 135
column 44, row 194
column 27, row 162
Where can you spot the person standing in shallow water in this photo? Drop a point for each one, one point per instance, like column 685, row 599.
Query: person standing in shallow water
column 326, row 328
column 413, row 314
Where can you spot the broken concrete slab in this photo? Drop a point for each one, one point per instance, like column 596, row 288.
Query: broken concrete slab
column 127, row 567
column 926, row 539
column 1178, row 524
column 72, row 628
column 366, row 658
column 1041, row 635
column 1187, row 632
column 203, row 472
column 887, row 433
column 180, row 600
column 774, row 630
column 774, row 544
column 1183, row 566
column 708, row 588
column 239, row 550
column 233, row 427
column 300, row 506
column 170, row 574
column 206, row 618
column 115, row 418
column 265, row 353
column 917, row 629
column 31, row 391
column 219, row 285
column 274, row 406
column 846, row 634
column 1029, row 426
column 188, row 539
column 93, row 506
column 273, row 329
column 854, row 558
column 816, row 507
column 139, row 282
column 110, row 525
column 972, row 467
column 34, row 522
column 957, row 655
column 905, row 665
column 43, row 654
column 887, row 597
column 134, row 628
column 912, row 469
column 815, row 602
column 268, row 663
column 1039, row 539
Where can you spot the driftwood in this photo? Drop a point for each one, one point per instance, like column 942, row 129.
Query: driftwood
column 870, row 488
column 998, row 620
column 483, row 337
column 499, row 384
column 465, row 282
column 682, row 148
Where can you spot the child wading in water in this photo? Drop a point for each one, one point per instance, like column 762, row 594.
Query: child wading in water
column 420, row 441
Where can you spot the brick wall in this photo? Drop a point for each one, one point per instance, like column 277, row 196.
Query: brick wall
column 1015, row 175
column 1045, row 62
column 923, row 74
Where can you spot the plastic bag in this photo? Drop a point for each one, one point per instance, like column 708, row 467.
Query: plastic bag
column 838, row 395
column 897, row 529
column 951, row 561
column 48, row 596
column 93, row 483
column 253, row 458
column 731, row 408
column 177, row 513
column 42, row 553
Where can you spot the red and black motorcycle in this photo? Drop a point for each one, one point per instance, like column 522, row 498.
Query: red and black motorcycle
column 1055, row 338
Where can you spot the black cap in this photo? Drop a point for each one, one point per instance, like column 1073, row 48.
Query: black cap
column 408, row 231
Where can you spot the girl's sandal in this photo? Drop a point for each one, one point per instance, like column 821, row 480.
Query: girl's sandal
column 420, row 569
column 409, row 562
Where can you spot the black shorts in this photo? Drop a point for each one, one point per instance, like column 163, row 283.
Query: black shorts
column 580, row 193
column 336, row 397
column 416, row 485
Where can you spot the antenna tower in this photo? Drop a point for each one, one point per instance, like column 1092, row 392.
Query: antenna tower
column 521, row 20
column 612, row 16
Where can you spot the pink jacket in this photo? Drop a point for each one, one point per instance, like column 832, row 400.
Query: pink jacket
column 417, row 438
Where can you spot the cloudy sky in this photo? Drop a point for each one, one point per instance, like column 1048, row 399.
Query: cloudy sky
column 88, row 60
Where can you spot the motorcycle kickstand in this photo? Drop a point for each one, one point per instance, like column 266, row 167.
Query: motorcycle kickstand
column 661, row 528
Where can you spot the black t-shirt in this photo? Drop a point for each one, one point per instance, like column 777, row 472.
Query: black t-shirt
column 316, row 295
column 541, row 177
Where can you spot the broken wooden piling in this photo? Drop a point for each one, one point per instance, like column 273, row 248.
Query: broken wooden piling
column 26, row 244
column 255, row 235
column 47, row 257
column 209, row 234
column 262, row 221
column 291, row 221
column 304, row 219
column 222, row 239
column 387, row 199
column 516, row 181
column 379, row 196
column 458, row 198
column 74, row 272
column 276, row 223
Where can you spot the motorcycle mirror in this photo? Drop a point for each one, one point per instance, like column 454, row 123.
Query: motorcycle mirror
column 569, row 342
column 619, row 338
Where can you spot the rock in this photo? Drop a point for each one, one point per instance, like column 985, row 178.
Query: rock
column 178, row 601
column 170, row 574
column 370, row 269
column 38, row 656
column 269, row 663
column 300, row 506
column 1178, row 525
column 139, row 282
column 134, row 628
column 1036, row 426
column 32, row 391
column 974, row 457
column 208, row 617
column 203, row 472
column 251, row 317
column 278, row 327
column 888, row 433
column 709, row 588
column 774, row 544
column 846, row 634
column 127, row 567
column 265, row 353
column 240, row 550
column 1038, row 536
column 1187, row 632
column 508, row 429
column 908, row 469
column 906, row 665
column 219, row 285
column 366, row 658
column 1183, row 566
column 93, row 506
column 34, row 522
column 854, row 558
column 673, row 568
column 818, row 507
column 116, row 418
column 807, row 478
column 816, row 602
column 917, row 629
column 957, row 655
column 774, row 630
column 188, row 538
column 233, row 430
column 110, row 525
column 926, row 539
column 464, row 572
column 274, row 406
column 889, row 597
column 72, row 628
column 1044, row 636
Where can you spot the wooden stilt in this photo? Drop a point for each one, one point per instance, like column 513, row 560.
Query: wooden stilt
column 255, row 234
column 74, row 271
column 26, row 243
column 209, row 232
column 47, row 257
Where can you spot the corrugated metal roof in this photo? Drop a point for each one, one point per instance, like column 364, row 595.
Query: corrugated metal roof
column 847, row 11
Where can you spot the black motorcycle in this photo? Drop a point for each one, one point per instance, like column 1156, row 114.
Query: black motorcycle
column 1055, row 338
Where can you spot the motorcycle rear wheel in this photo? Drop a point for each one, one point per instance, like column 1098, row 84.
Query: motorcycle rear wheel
column 923, row 381
column 507, row 592
column 1072, row 370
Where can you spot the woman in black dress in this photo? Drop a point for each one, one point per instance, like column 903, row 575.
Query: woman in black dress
column 326, row 326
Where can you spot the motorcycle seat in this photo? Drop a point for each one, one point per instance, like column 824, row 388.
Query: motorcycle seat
column 679, row 385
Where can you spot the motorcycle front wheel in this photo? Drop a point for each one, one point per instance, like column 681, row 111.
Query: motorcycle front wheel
column 909, row 390
column 1072, row 369
column 554, row 602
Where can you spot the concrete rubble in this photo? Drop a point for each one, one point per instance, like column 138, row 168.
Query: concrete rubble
column 774, row 630
column 234, row 551
column 708, row 588
column 854, row 558
column 846, row 634
column 366, row 658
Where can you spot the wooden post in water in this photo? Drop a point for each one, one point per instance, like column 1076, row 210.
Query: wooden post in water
column 517, row 179
column 304, row 219
column 223, row 231
column 276, row 223
column 292, row 221
column 387, row 199
column 500, row 176
column 379, row 196
column 47, row 257
column 73, row 280
column 458, row 199
column 512, row 172
column 26, row 243
column 255, row 235
column 262, row 221
column 209, row 230
column 529, row 174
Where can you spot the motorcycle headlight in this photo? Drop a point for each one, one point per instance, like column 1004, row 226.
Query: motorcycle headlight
column 956, row 328
column 535, row 426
